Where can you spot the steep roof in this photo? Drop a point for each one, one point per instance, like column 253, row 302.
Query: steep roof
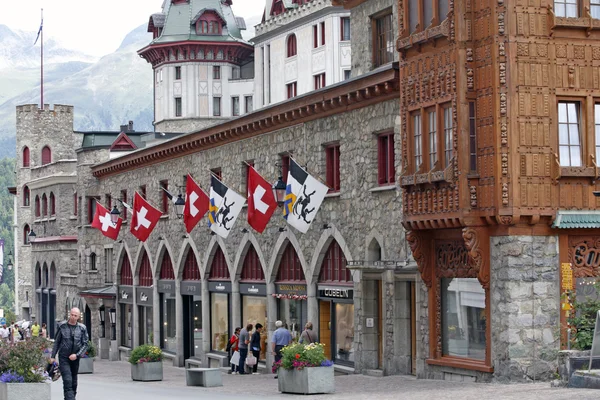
column 179, row 23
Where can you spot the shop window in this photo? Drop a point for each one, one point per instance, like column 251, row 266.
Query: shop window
column 52, row 204
column 332, row 166
column 26, row 196
column 386, row 172
column 26, row 157
column 254, row 310
column 292, row 48
column 126, row 325
column 190, row 269
column 46, row 155
column 168, row 319
column 219, row 321
column 126, row 274
column 145, row 276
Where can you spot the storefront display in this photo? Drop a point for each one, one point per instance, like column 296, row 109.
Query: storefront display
column 166, row 290
column 292, row 307
column 125, row 296
column 254, row 310
column 192, row 318
column 144, row 297
column 336, row 307
column 219, row 314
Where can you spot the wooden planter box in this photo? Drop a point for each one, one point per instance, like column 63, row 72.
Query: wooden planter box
column 148, row 371
column 306, row 381
column 86, row 365
column 25, row 391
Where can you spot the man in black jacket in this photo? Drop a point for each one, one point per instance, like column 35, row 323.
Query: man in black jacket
column 70, row 342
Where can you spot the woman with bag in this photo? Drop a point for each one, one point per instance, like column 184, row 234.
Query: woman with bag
column 252, row 360
column 308, row 335
column 234, row 349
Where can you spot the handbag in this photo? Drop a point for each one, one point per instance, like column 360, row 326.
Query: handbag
column 235, row 358
column 250, row 360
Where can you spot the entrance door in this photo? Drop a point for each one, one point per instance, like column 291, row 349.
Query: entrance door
column 188, row 334
column 325, row 326
column 379, row 325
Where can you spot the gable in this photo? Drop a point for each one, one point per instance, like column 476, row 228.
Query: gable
column 123, row 143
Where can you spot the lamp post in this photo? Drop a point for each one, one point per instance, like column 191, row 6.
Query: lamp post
column 101, row 314
column 113, row 323
column 279, row 188
column 9, row 263
column 32, row 236
column 179, row 206
column 114, row 215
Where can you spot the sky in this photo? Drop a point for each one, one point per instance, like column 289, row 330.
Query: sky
column 95, row 27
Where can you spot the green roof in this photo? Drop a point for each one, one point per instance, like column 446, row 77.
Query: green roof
column 106, row 139
column 572, row 219
column 178, row 23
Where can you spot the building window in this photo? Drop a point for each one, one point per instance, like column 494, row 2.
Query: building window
column 44, row 205
column 568, row 8
column 345, row 28
column 569, row 139
column 26, row 231
column 472, row 137
column 177, row 73
column 595, row 9
column 91, row 209
column 347, row 74
column 322, row 33
column 52, row 204
column 143, row 191
column 178, row 107
column 164, row 186
column 291, row 89
column 432, row 136
column 75, row 203
column 417, row 145
column 235, row 73
column 108, row 260
column 249, row 105
column 319, row 81
column 217, row 173
column 315, row 36
column 285, row 166
column 216, row 72
column 93, row 266
column 292, row 47
column 108, row 201
column 216, row 106
column 235, row 106
column 332, row 166
column 25, row 196
column 448, row 133
column 124, row 200
column 384, row 40
column 46, row 155
column 386, row 173
column 37, row 206
column 26, row 157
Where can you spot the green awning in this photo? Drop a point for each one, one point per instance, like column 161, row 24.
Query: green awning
column 571, row 219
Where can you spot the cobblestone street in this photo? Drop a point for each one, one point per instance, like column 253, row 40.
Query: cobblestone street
column 112, row 380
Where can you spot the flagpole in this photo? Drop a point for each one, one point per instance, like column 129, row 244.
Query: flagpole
column 42, row 63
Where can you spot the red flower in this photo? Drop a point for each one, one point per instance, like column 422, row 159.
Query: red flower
column 297, row 356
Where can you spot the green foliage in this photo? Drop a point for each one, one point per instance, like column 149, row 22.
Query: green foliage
column 91, row 350
column 25, row 358
column 9, row 315
column 7, row 179
column 145, row 353
column 583, row 320
column 7, row 298
column 299, row 356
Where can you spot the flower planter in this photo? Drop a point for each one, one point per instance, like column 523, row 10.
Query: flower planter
column 306, row 381
column 25, row 391
column 148, row 371
column 86, row 365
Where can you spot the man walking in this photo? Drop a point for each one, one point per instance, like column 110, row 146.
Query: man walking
column 281, row 338
column 244, row 341
column 70, row 342
column 35, row 329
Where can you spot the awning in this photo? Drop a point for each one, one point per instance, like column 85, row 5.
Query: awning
column 107, row 292
column 571, row 219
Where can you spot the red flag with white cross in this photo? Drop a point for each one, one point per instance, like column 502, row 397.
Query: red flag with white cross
column 261, row 201
column 103, row 222
column 196, row 204
column 145, row 217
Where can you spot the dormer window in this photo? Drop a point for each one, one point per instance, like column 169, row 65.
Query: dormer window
column 209, row 22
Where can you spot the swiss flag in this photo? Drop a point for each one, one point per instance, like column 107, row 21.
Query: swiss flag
column 145, row 217
column 196, row 204
column 104, row 224
column 261, row 201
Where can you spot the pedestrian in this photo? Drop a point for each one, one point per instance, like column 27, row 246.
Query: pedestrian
column 255, row 346
column 35, row 329
column 244, row 342
column 281, row 338
column 44, row 330
column 70, row 343
column 308, row 336
column 14, row 333
column 4, row 332
column 233, row 347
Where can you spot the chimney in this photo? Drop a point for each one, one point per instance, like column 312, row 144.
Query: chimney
column 123, row 128
column 130, row 127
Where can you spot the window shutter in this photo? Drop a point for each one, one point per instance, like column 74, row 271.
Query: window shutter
column 337, row 167
column 46, row 155
column 381, row 155
column 329, row 168
column 26, row 157
column 391, row 172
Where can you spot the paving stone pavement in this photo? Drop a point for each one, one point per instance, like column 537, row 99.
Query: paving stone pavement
column 113, row 381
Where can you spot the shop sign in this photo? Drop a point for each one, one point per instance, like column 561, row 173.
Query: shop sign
column 166, row 286
column 253, row 289
column 290, row 289
column 336, row 292
column 125, row 294
column 217, row 286
column 191, row 288
column 144, row 295
column 567, row 276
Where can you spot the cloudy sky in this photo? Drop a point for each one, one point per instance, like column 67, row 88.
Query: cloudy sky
column 97, row 27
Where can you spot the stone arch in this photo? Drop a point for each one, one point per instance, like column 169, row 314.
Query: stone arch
column 285, row 238
column 135, row 268
column 248, row 240
column 52, row 280
column 45, row 275
column 374, row 239
column 187, row 245
column 163, row 247
column 38, row 276
column 215, row 242
column 123, row 252
column 321, row 248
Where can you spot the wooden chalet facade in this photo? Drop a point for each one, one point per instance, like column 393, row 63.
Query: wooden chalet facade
column 500, row 109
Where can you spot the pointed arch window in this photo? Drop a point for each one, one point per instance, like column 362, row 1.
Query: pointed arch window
column 126, row 275
column 334, row 268
column 26, row 231
column 44, row 205
column 191, row 272
column 218, row 269
column 25, row 196
column 290, row 269
column 252, row 270
column 145, row 271
column 46, row 155
column 26, row 162
column 52, row 204
column 37, row 206
column 93, row 266
column 292, row 47
column 166, row 267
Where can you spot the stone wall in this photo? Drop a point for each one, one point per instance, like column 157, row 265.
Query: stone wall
column 184, row 125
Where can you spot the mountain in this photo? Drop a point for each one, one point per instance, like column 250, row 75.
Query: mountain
column 107, row 93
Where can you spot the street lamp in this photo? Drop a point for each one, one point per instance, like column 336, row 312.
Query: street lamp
column 32, row 236
column 279, row 188
column 113, row 323
column 114, row 215
column 9, row 263
column 179, row 206
column 101, row 312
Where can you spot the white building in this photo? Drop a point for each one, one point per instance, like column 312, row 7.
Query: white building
column 300, row 46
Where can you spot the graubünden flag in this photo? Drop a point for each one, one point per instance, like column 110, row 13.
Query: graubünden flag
column 303, row 197
column 144, row 219
column 261, row 201
column 102, row 221
column 196, row 204
column 225, row 206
